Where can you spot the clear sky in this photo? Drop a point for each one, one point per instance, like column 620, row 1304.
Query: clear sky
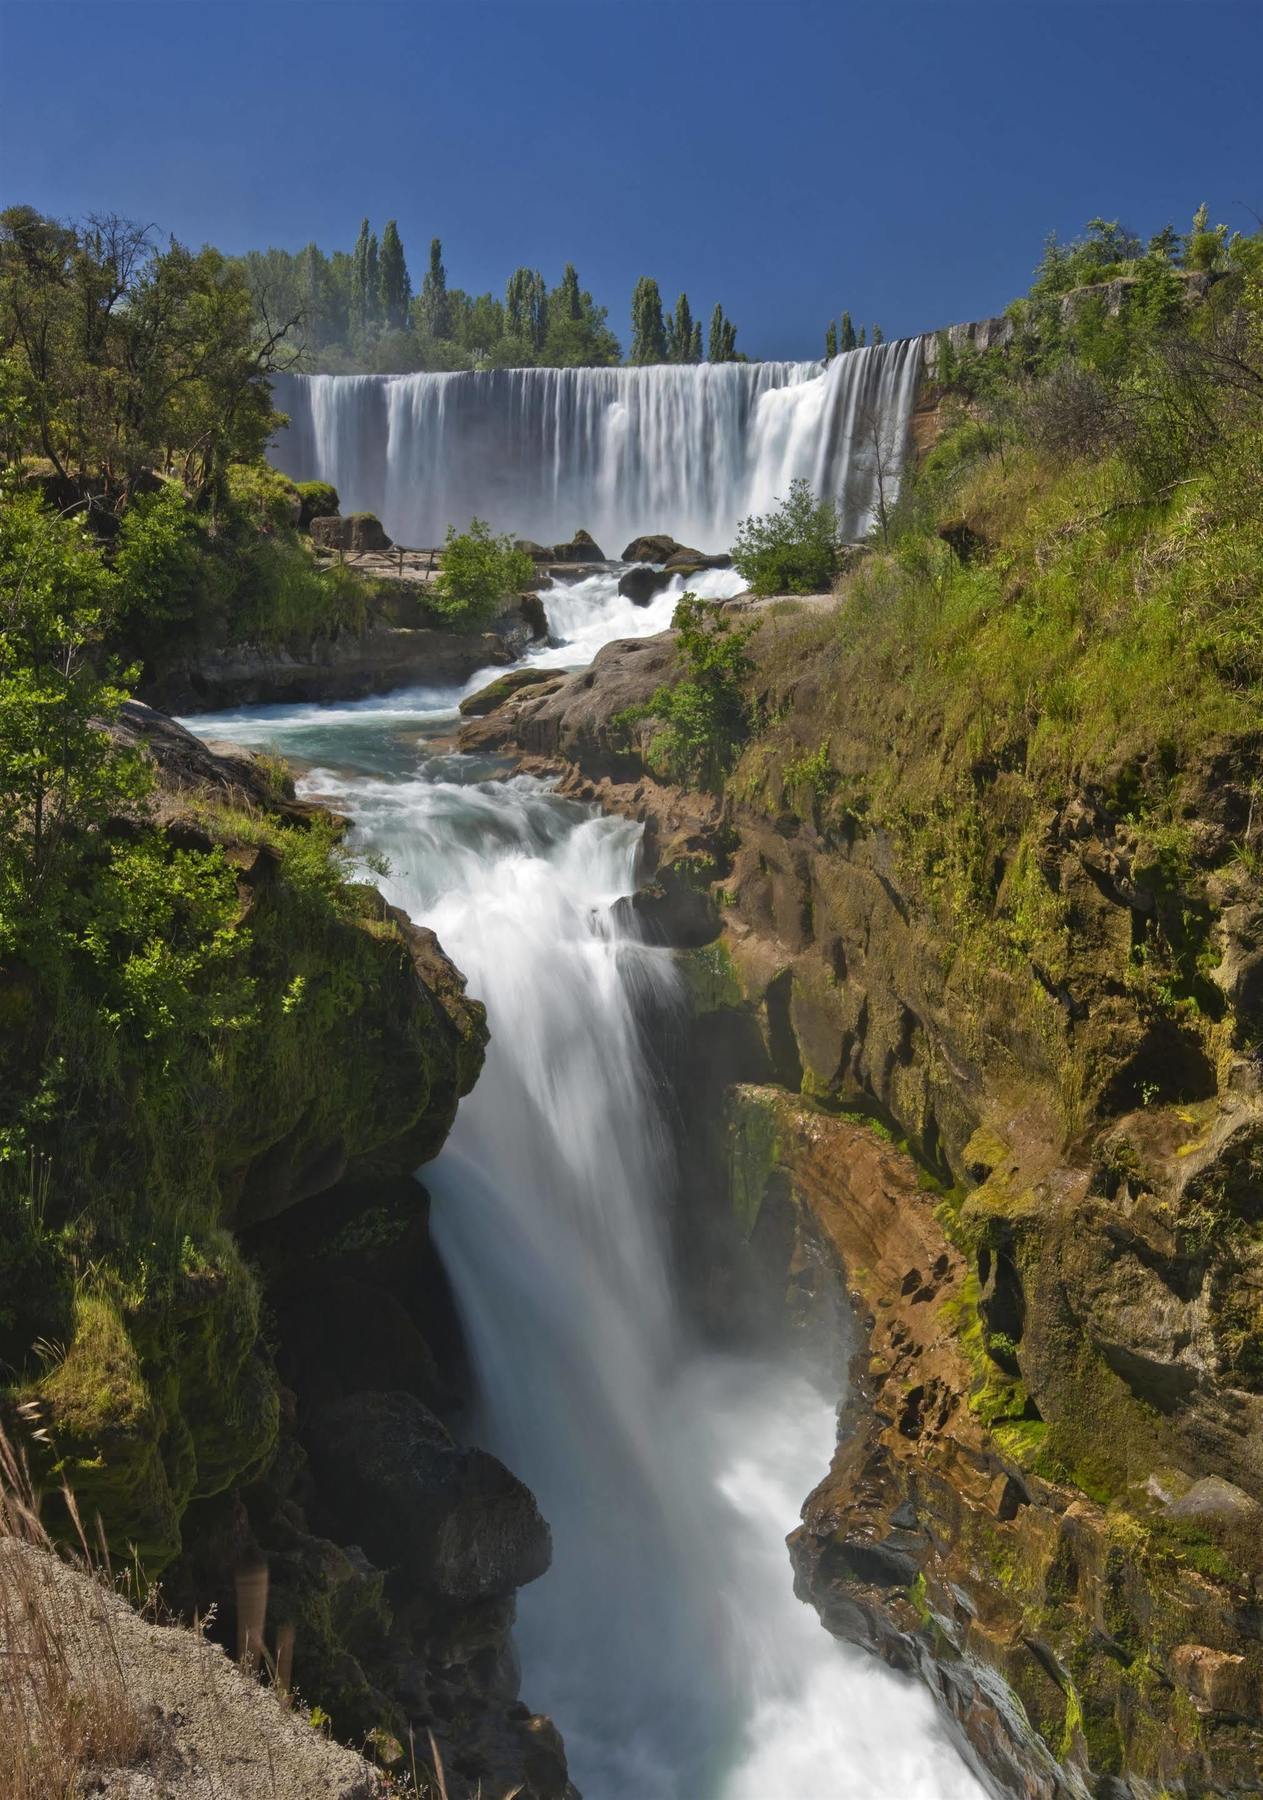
column 788, row 157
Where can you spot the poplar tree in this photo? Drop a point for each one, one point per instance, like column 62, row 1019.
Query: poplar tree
column 878, row 335
column 395, row 287
column 436, row 313
column 360, row 309
column 680, row 335
column 526, row 304
column 722, row 345
column 372, row 282
column 847, row 339
column 649, row 334
column 571, row 298
column 831, row 342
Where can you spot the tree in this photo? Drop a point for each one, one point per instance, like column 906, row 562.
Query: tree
column 481, row 573
column 831, row 342
column 526, row 307
column 127, row 359
column 58, row 770
column 722, row 346
column 847, row 339
column 684, row 339
column 361, row 310
column 569, row 294
column 578, row 336
column 878, row 335
column 649, row 336
column 395, row 287
column 435, row 308
column 791, row 550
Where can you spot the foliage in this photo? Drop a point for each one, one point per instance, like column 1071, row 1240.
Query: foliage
column 791, row 550
column 722, row 343
column 58, row 774
column 649, row 334
column 481, row 573
column 706, row 714
column 125, row 358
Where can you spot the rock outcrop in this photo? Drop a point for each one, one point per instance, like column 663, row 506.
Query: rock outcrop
column 1047, row 1500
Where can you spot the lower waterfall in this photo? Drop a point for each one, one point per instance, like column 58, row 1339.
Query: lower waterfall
column 688, row 449
column 666, row 1641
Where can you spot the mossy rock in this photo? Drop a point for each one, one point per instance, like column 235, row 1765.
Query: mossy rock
column 319, row 501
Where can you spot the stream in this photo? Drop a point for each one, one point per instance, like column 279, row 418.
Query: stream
column 666, row 1641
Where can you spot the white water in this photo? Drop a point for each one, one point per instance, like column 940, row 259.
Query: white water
column 689, row 450
column 666, row 1640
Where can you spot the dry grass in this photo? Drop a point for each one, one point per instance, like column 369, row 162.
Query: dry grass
column 61, row 1715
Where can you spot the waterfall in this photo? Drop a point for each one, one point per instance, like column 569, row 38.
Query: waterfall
column 688, row 449
column 666, row 1640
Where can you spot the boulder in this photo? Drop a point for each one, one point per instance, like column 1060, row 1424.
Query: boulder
column 640, row 585
column 487, row 699
column 539, row 553
column 582, row 548
column 457, row 1520
column 358, row 532
column 690, row 561
column 651, row 549
column 317, row 500
column 532, row 610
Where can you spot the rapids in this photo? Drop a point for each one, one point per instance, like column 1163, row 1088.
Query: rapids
column 666, row 1640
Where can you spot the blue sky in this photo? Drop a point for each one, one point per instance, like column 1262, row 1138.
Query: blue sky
column 788, row 157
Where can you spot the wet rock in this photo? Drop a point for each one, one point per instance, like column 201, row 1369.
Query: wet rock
column 539, row 553
column 582, row 548
column 487, row 699
column 684, row 561
column 655, row 548
column 641, row 585
column 457, row 1520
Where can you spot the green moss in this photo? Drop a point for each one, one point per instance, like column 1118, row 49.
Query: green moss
column 710, row 978
column 753, row 1153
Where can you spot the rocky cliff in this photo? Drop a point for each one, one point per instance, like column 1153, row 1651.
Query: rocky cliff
column 252, row 1383
column 1037, row 1172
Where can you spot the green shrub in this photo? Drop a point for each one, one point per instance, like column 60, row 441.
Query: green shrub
column 706, row 715
column 261, row 495
column 481, row 573
column 791, row 550
column 166, row 575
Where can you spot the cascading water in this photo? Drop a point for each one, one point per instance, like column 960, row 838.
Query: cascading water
column 666, row 1640
column 686, row 449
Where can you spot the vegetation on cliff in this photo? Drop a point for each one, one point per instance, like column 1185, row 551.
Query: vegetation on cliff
column 204, row 1014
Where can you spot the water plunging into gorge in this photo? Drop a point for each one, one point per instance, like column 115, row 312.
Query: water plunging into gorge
column 666, row 1640
column 539, row 452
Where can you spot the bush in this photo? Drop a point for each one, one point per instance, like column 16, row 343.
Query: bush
column 262, row 497
column 791, row 550
column 481, row 573
column 165, row 574
column 706, row 715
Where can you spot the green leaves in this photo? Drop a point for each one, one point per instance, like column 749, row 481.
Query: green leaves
column 706, row 714
column 791, row 550
column 481, row 573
